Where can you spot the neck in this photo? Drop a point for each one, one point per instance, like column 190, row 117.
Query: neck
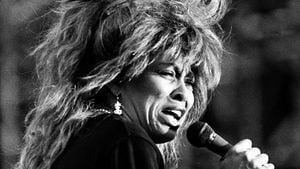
column 105, row 99
column 130, row 111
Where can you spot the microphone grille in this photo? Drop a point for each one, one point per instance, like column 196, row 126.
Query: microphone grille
column 199, row 133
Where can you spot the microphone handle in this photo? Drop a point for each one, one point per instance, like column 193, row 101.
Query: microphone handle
column 218, row 145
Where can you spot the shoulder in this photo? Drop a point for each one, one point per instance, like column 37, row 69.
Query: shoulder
column 129, row 142
column 115, row 126
column 124, row 143
column 133, row 146
column 110, row 130
column 109, row 140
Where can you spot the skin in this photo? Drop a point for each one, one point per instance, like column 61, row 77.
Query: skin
column 164, row 86
column 159, row 98
column 243, row 156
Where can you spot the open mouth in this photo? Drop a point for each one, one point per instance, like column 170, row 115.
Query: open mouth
column 175, row 128
column 175, row 113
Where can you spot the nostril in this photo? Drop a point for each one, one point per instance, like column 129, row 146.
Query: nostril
column 179, row 94
column 178, row 97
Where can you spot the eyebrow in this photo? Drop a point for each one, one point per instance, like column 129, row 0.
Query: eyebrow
column 177, row 68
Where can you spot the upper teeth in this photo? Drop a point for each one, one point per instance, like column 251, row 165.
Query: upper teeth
column 177, row 112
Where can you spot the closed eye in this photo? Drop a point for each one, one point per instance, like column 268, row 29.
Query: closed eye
column 167, row 73
column 190, row 81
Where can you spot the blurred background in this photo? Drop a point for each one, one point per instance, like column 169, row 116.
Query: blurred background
column 258, row 98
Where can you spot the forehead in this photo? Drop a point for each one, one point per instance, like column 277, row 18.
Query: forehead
column 180, row 63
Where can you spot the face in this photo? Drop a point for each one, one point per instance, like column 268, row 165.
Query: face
column 159, row 98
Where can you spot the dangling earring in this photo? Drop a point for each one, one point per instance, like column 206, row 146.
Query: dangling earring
column 118, row 106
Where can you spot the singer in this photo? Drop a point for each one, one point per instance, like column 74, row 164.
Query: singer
column 120, row 82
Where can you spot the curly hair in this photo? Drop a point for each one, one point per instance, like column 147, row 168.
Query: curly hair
column 96, row 42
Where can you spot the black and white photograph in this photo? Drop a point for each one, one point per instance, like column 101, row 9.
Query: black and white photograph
column 149, row 84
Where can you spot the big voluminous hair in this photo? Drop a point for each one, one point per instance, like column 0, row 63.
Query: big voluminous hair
column 95, row 42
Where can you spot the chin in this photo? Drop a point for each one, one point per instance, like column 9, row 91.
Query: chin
column 166, row 137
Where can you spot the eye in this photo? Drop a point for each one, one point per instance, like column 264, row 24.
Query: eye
column 168, row 73
column 190, row 79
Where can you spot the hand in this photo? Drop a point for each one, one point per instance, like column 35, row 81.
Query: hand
column 244, row 156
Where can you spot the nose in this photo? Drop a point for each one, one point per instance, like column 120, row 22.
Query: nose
column 180, row 93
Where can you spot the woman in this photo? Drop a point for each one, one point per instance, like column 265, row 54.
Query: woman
column 121, row 81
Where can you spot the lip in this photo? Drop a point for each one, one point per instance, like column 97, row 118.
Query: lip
column 169, row 120
column 177, row 113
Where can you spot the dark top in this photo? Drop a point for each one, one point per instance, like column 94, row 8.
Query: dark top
column 110, row 142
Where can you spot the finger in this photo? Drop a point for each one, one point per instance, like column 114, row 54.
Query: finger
column 268, row 166
column 242, row 146
column 258, row 161
column 252, row 153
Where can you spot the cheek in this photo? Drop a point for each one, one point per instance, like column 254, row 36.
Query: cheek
column 153, row 93
column 190, row 103
column 190, row 100
column 150, row 86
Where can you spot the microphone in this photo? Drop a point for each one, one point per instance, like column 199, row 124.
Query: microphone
column 200, row 134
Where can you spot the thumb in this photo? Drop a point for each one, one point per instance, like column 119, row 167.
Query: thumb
column 240, row 147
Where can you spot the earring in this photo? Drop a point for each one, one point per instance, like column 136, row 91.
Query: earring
column 118, row 106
